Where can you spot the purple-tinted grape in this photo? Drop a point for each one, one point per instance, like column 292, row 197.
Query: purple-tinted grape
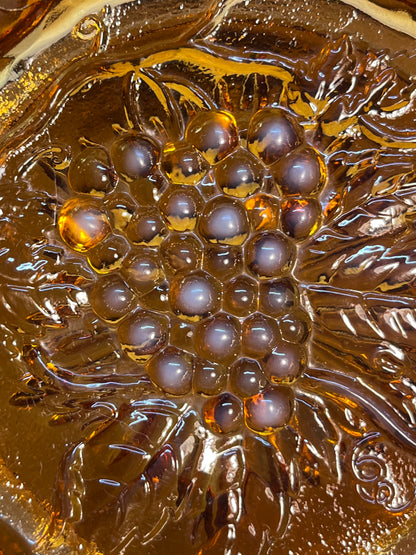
column 111, row 298
column 224, row 221
column 143, row 334
column 300, row 217
column 259, row 335
column 146, row 228
column 195, row 296
column 285, row 363
column 218, row 338
column 270, row 410
column 134, row 156
column 224, row 413
column 269, row 254
column 301, row 173
column 272, row 133
column 240, row 174
column 181, row 206
column 171, row 371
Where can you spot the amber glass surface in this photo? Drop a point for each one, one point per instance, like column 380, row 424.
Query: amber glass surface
column 207, row 277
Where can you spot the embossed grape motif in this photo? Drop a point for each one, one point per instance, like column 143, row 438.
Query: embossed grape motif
column 239, row 265
column 224, row 261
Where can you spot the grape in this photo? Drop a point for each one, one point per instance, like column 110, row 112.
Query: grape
column 83, row 223
column 181, row 252
column 180, row 206
column 240, row 295
column 134, row 156
column 278, row 296
column 259, row 335
column 300, row 217
column 213, row 133
column 90, row 172
column 108, row 255
column 269, row 254
column 121, row 208
column 295, row 326
column 143, row 334
column 142, row 270
column 263, row 211
column 146, row 228
column 272, row 133
column 240, row 174
column 183, row 164
column 111, row 298
column 218, row 338
column 223, row 261
column 195, row 296
column 224, row 221
column 301, row 173
column 285, row 363
column 209, row 378
column 270, row 410
column 171, row 370
column 224, row 414
column 246, row 377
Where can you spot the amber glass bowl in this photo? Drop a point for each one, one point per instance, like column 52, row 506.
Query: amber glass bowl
column 207, row 299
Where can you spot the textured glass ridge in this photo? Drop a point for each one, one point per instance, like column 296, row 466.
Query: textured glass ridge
column 207, row 298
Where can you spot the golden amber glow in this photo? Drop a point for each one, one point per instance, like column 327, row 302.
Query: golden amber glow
column 263, row 212
column 332, row 205
column 248, row 415
column 82, row 224
column 300, row 217
column 209, row 415
column 183, row 165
